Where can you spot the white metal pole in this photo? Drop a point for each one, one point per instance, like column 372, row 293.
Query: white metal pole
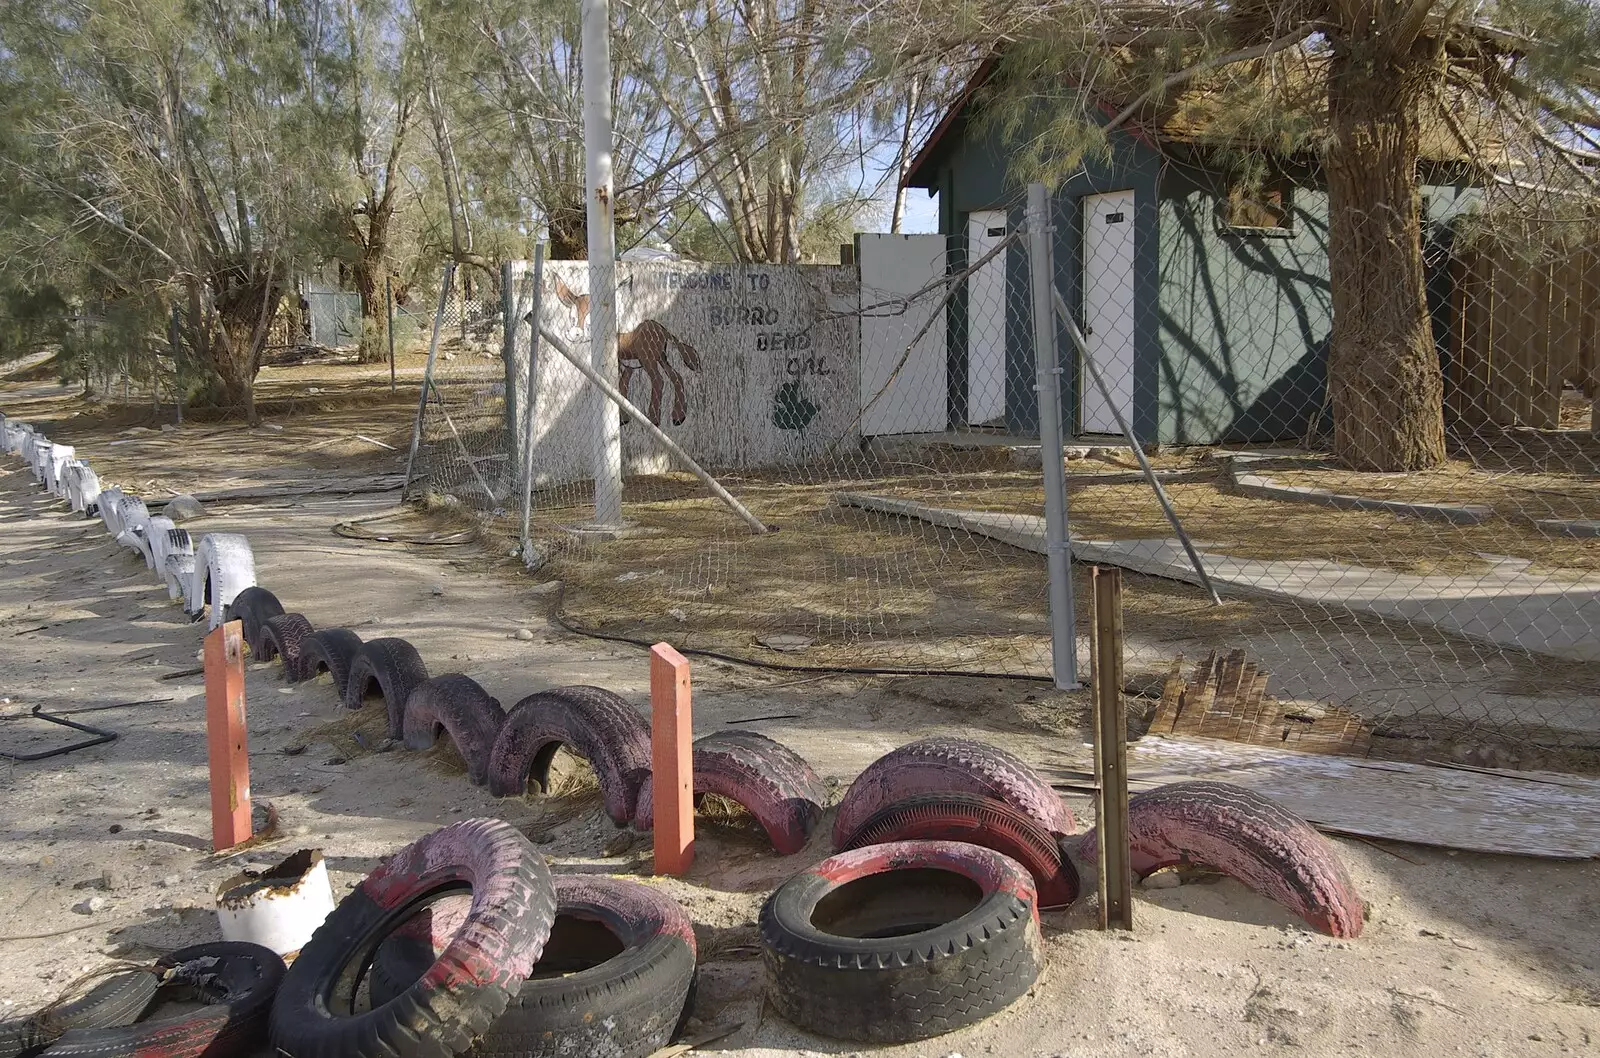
column 1058, row 551
column 596, row 56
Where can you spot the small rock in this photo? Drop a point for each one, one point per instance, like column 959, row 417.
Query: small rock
column 272, row 426
column 315, row 389
column 294, row 750
column 549, row 587
column 115, row 828
column 167, row 427
column 438, row 589
column 91, row 906
column 171, row 881
column 184, row 508
column 525, row 635
column 112, row 879
column 677, row 615
column 47, row 861
column 1162, row 880
column 786, row 642
column 335, row 760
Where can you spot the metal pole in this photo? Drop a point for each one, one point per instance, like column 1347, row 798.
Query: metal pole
column 624, row 404
column 1110, row 751
column 388, row 302
column 427, row 370
column 1058, row 552
column 1133, row 443
column 532, row 396
column 512, row 408
column 596, row 54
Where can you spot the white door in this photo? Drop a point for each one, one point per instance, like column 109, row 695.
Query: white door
column 1107, row 309
column 986, row 318
column 903, row 389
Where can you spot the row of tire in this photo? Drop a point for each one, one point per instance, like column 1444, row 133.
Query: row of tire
column 925, row 920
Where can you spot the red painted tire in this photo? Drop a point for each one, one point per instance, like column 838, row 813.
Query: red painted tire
column 331, row 650
column 949, row 765
column 978, row 821
column 613, row 981
column 251, row 608
column 456, row 705
column 236, row 981
column 1245, row 835
column 592, row 722
column 393, row 669
column 766, row 777
column 902, row 941
column 465, row 989
column 284, row 637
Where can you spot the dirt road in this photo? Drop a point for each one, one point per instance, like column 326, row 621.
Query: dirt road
column 1463, row 954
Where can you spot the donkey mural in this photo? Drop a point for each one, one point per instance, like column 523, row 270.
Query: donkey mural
column 645, row 348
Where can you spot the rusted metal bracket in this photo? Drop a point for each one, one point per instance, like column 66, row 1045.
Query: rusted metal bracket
column 101, row 737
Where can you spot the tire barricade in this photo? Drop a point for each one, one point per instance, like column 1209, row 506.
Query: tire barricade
column 935, row 835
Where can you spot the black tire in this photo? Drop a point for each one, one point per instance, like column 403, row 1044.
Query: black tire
column 467, row 987
column 284, row 637
column 625, row 1006
column 331, row 650
column 395, row 667
column 848, row 956
column 115, row 1001
column 456, row 705
column 592, row 722
column 251, row 608
column 236, row 981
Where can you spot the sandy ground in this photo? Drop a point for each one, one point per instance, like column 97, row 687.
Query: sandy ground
column 1463, row 954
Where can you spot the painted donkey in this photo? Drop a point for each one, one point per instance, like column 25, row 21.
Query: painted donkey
column 645, row 348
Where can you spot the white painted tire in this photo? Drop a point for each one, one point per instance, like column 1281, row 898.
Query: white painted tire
column 83, row 489
column 110, row 508
column 224, row 566
column 38, row 456
column 158, row 536
column 55, row 469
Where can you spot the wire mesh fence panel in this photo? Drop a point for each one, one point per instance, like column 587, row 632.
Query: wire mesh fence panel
column 463, row 453
column 1441, row 607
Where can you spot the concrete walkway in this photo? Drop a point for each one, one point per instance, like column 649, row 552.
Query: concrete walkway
column 1506, row 605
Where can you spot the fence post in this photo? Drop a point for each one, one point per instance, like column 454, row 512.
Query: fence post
column 175, row 339
column 427, row 371
column 1058, row 550
column 596, row 50
column 228, row 755
column 1110, row 751
column 530, row 399
column 512, row 407
column 671, row 760
column 388, row 304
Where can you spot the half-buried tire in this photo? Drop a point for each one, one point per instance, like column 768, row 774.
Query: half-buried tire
column 391, row 667
column 768, row 778
column 590, row 721
column 902, row 941
column 949, row 765
column 331, row 650
column 612, row 982
column 251, row 608
column 980, row 821
column 285, row 636
column 456, row 705
column 463, row 991
column 1247, row 836
column 235, row 982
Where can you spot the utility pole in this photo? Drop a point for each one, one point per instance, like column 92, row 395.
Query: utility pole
column 596, row 57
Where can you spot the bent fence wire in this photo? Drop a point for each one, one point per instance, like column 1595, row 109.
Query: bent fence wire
column 882, row 416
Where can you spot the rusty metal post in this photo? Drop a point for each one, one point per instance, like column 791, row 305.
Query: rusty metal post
column 671, row 759
column 1110, row 751
column 225, row 736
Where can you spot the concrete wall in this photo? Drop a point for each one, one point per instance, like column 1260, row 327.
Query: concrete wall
column 765, row 358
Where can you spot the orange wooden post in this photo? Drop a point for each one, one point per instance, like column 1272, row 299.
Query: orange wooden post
column 671, row 759
column 225, row 736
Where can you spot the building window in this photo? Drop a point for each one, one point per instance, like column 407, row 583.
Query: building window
column 1258, row 209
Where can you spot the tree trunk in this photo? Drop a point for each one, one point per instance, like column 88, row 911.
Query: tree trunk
column 1385, row 385
column 374, row 311
column 569, row 235
column 234, row 361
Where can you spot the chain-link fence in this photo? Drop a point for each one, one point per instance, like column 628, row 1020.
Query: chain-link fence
column 882, row 416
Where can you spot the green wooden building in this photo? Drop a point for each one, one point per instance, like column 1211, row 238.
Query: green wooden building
column 1206, row 305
